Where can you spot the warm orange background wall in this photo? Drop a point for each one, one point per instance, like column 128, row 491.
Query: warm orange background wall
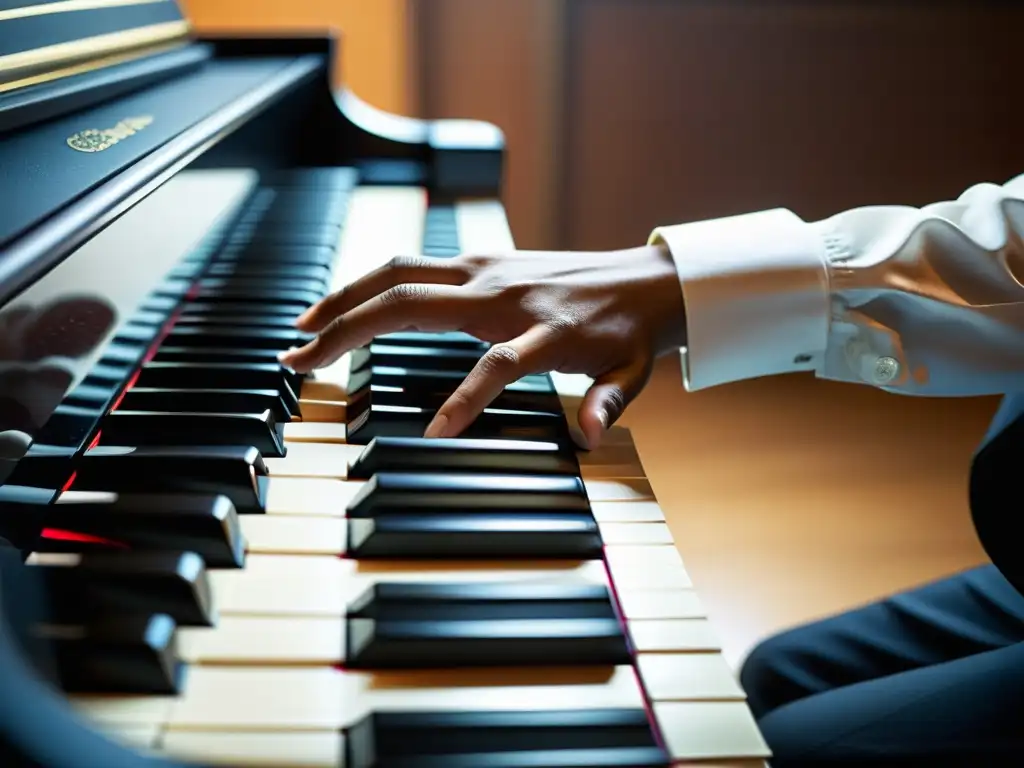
column 375, row 50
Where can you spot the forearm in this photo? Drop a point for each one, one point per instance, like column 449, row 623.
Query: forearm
column 918, row 301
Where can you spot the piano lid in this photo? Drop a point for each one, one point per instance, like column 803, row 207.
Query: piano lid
column 46, row 40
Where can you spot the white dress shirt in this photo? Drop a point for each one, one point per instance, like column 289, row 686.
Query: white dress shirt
column 922, row 301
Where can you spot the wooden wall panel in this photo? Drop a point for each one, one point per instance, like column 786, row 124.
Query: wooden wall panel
column 680, row 110
column 375, row 58
column 500, row 61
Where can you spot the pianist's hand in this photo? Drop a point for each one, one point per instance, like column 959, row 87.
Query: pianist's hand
column 607, row 315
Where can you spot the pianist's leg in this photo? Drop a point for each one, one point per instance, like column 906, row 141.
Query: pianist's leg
column 933, row 676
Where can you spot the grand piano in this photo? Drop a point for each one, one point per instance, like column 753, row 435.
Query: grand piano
column 207, row 559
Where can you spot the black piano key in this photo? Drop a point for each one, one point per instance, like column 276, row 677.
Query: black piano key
column 431, row 399
column 123, row 582
column 127, row 655
column 439, row 381
column 261, row 285
column 201, row 375
column 206, row 308
column 498, row 601
column 124, row 354
column 569, row 535
column 400, row 493
column 269, row 271
column 291, row 255
column 442, row 339
column 204, row 524
column 145, row 428
column 206, row 401
column 538, row 738
column 222, row 356
column 461, row 455
column 324, row 235
column 367, row 420
column 213, row 320
column 237, row 472
column 281, row 297
column 214, row 335
column 468, row 630
column 415, row 357
column 157, row 303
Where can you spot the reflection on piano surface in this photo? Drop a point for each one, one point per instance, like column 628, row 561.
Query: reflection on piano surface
column 208, row 559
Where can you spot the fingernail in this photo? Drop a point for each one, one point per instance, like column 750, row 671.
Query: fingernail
column 436, row 427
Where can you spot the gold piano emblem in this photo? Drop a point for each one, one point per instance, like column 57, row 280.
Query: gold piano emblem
column 96, row 140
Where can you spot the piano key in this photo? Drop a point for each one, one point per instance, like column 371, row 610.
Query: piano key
column 237, row 472
column 412, row 454
column 202, row 375
column 312, row 460
column 206, row 525
column 407, row 356
column 688, row 677
column 401, row 493
column 294, row 255
column 309, row 496
column 120, row 582
column 221, row 356
column 269, row 270
column 206, row 401
column 627, row 512
column 443, row 339
column 306, row 699
column 396, row 635
column 646, row 567
column 323, row 411
column 554, row 739
column 214, row 335
column 635, row 533
column 673, row 635
column 265, row 234
column 711, row 730
column 316, row 749
column 132, row 654
column 660, row 604
column 237, row 308
column 142, row 428
column 367, row 420
column 480, row 535
column 261, row 284
column 431, row 398
column 211, row 321
column 313, row 585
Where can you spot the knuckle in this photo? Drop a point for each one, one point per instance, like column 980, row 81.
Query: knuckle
column 476, row 261
column 402, row 294
column 406, row 262
column 500, row 357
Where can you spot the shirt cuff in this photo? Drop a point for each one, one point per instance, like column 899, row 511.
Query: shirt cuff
column 756, row 292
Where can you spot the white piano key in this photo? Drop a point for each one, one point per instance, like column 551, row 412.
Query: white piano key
column 266, row 641
column 673, row 635
column 710, row 730
column 292, row 534
column 313, row 409
column 294, row 585
column 382, row 222
column 145, row 737
column 646, row 567
column 635, row 533
column 324, row 698
column 627, row 512
column 310, row 496
column 329, row 460
column 318, row 749
column 688, row 677
column 660, row 604
column 619, row 490
column 319, row 432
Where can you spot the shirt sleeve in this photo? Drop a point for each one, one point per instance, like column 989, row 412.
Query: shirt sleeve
column 921, row 301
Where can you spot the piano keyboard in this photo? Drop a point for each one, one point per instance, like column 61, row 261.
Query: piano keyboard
column 255, row 568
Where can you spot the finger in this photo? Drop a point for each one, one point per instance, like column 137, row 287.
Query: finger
column 501, row 365
column 424, row 307
column 609, row 396
column 398, row 271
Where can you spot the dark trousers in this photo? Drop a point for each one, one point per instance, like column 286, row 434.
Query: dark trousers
column 930, row 677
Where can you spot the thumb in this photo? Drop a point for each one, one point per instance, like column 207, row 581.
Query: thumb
column 608, row 397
